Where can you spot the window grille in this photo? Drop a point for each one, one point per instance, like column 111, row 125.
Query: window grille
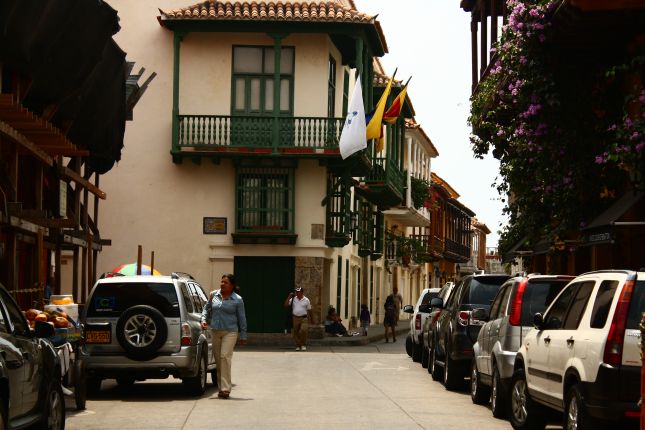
column 265, row 200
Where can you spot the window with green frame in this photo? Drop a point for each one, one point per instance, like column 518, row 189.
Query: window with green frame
column 265, row 200
column 331, row 88
column 253, row 80
column 345, row 92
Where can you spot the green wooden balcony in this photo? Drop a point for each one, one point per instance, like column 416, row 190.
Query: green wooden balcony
column 208, row 134
column 384, row 185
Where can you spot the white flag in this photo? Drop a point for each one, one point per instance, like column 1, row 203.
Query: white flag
column 353, row 139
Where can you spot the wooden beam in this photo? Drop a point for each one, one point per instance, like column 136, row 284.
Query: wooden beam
column 68, row 173
column 12, row 134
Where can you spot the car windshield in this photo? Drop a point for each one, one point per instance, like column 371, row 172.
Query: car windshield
column 538, row 295
column 481, row 292
column 111, row 299
column 428, row 297
column 637, row 306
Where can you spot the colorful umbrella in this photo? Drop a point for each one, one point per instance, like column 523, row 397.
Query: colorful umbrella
column 131, row 269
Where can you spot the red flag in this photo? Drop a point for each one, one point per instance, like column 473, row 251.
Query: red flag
column 393, row 112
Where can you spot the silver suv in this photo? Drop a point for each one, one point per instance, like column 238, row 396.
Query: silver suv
column 509, row 320
column 140, row 327
column 583, row 356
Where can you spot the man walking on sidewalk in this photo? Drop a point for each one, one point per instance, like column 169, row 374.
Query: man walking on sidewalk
column 301, row 312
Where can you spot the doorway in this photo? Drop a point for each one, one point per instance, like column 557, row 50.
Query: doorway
column 265, row 283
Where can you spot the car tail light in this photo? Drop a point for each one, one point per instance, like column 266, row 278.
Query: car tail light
column 186, row 335
column 614, row 347
column 463, row 317
column 516, row 309
column 417, row 322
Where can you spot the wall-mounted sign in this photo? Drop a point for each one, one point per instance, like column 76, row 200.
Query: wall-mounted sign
column 62, row 199
column 214, row 225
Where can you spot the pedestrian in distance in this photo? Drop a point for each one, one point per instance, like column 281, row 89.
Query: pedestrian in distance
column 365, row 318
column 334, row 324
column 301, row 313
column 390, row 320
column 224, row 314
column 398, row 302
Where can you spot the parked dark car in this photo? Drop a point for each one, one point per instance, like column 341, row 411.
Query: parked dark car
column 30, row 371
column 427, row 332
column 509, row 320
column 456, row 331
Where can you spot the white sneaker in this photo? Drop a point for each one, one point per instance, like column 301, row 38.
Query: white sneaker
column 297, row 348
column 304, row 348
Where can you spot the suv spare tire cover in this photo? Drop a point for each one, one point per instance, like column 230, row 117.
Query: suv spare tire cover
column 141, row 330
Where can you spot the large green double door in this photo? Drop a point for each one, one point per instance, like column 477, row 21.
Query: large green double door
column 265, row 283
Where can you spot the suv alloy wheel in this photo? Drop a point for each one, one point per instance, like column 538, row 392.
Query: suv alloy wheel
column 525, row 413
column 196, row 385
column 54, row 413
column 497, row 396
column 575, row 414
column 479, row 394
column 434, row 369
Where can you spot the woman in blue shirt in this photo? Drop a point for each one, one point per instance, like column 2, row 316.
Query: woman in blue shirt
column 224, row 314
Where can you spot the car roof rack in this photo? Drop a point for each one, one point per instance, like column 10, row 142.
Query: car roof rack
column 177, row 275
column 110, row 275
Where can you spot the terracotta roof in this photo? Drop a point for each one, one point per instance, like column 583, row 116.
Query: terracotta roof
column 411, row 124
column 435, row 179
column 380, row 77
column 223, row 10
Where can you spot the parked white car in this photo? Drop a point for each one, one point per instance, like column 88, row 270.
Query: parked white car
column 420, row 311
column 583, row 356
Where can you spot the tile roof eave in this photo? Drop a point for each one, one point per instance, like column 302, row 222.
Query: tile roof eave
column 168, row 23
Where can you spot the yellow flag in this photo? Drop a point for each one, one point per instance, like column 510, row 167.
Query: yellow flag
column 376, row 123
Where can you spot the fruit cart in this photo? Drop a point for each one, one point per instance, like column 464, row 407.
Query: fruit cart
column 66, row 342
column 62, row 313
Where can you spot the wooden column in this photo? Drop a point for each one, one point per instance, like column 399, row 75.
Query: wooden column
column 493, row 21
column 473, row 53
column 483, row 46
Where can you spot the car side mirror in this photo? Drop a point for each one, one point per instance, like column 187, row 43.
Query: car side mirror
column 425, row 308
column 437, row 302
column 44, row 329
column 479, row 314
column 408, row 309
column 538, row 321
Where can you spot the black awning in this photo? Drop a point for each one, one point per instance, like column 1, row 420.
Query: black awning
column 616, row 211
column 66, row 51
column 517, row 250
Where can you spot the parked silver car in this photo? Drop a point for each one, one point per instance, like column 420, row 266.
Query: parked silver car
column 140, row 327
column 509, row 319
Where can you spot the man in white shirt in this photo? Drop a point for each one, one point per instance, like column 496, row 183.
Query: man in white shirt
column 301, row 312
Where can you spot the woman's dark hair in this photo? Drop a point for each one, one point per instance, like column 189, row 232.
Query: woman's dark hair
column 231, row 278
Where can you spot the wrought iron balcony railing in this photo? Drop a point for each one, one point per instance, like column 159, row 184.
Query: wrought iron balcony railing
column 263, row 133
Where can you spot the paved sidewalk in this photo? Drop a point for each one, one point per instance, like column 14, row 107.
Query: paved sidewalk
column 375, row 333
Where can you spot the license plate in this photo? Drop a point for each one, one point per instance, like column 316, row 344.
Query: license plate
column 96, row 336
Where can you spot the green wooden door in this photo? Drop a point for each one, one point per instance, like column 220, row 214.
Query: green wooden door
column 265, row 283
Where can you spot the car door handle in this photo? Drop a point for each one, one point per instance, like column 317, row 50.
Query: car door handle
column 547, row 339
column 570, row 341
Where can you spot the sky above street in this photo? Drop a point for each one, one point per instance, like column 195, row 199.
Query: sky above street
column 430, row 41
